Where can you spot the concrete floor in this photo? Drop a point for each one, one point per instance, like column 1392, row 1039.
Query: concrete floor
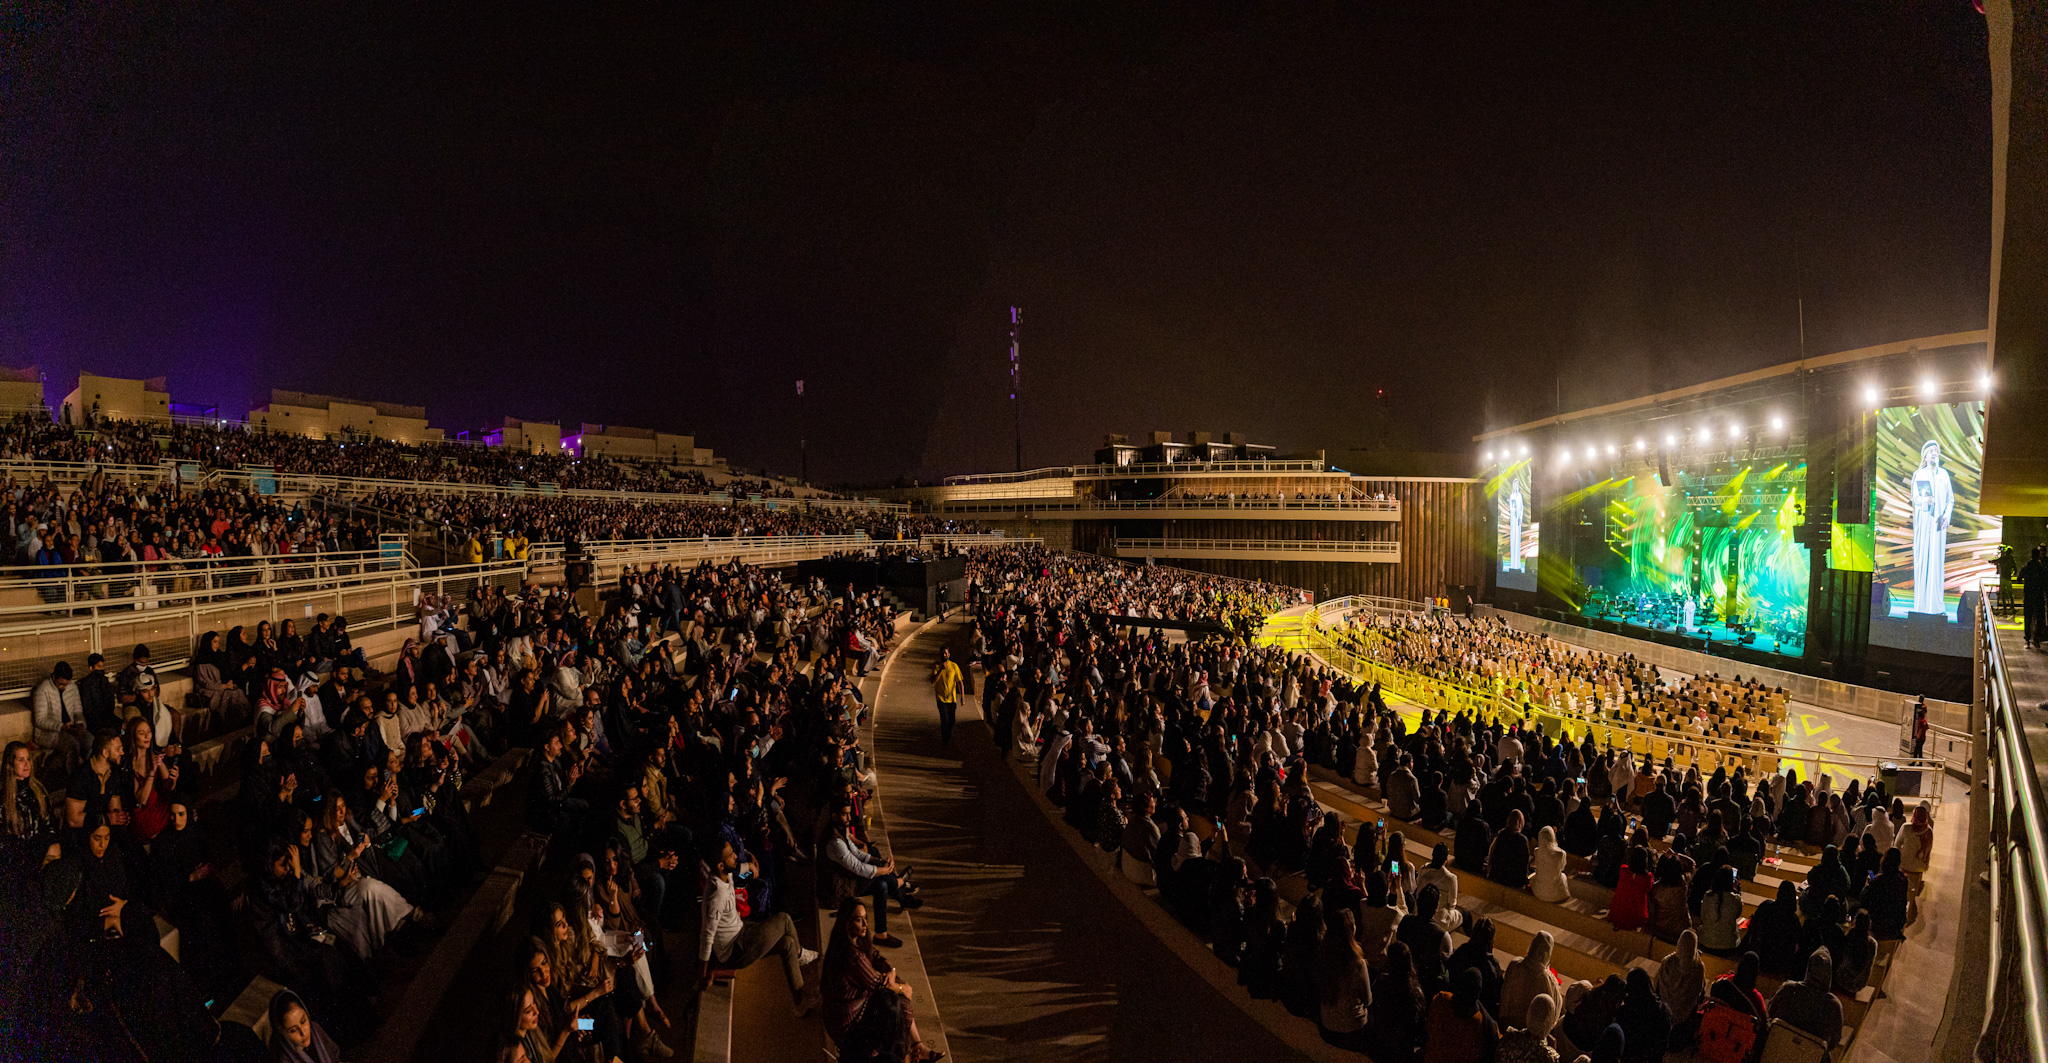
column 1030, row 955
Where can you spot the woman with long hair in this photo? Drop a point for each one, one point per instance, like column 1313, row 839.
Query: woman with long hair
column 585, row 979
column 152, row 778
column 25, row 805
column 866, row 1009
column 1343, row 990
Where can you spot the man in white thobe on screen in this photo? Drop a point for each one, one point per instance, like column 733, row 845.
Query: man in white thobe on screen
column 1514, row 528
column 1934, row 501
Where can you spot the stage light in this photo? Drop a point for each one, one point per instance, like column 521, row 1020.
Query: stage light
column 1706, row 433
column 1525, row 451
column 1671, row 439
column 1642, row 444
column 1777, row 422
column 1489, row 457
column 1930, row 389
column 1984, row 381
column 1610, row 450
column 1870, row 395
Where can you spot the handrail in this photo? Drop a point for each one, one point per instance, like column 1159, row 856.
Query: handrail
column 172, row 625
column 2019, row 866
column 1225, row 505
column 38, row 575
column 1377, row 548
column 297, row 482
column 1144, row 469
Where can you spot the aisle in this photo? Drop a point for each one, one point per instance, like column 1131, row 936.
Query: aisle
column 1032, row 958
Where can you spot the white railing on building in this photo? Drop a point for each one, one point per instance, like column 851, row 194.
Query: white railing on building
column 1290, row 549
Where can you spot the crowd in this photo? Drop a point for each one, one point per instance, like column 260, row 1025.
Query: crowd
column 1489, row 655
column 173, row 537
column 1190, row 761
column 586, row 519
column 695, row 745
column 36, row 438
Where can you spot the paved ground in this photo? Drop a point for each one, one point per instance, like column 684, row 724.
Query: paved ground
column 1031, row 956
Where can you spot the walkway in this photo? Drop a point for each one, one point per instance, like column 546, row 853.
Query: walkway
column 1031, row 956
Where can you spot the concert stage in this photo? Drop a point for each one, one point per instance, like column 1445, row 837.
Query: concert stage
column 1819, row 517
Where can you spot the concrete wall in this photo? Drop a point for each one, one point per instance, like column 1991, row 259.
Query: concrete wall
column 338, row 418
column 127, row 400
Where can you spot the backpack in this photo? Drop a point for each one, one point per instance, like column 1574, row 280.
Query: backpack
column 1728, row 1034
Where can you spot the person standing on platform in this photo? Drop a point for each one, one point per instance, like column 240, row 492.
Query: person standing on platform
column 2035, row 592
column 946, row 684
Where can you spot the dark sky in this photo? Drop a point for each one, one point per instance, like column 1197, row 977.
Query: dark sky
column 1218, row 216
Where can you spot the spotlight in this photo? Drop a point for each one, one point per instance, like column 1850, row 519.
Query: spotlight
column 1706, row 433
column 1984, row 381
column 1641, row 444
column 1777, row 422
column 1610, row 450
column 1489, row 457
column 1870, row 396
column 1671, row 439
column 1524, row 451
column 1930, row 389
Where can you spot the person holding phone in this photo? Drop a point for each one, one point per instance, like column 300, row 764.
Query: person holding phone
column 723, row 938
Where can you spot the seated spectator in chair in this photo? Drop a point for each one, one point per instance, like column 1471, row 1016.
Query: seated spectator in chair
column 58, row 714
column 1458, row 1029
column 1507, row 862
column 1811, row 1005
column 1720, row 914
column 724, row 941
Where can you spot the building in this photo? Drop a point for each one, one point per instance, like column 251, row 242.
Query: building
column 636, row 444
column 326, row 416
column 118, row 398
column 1298, row 522
column 1161, row 447
column 21, row 390
column 533, row 437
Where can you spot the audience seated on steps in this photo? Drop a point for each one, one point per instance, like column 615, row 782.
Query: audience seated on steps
column 1215, row 715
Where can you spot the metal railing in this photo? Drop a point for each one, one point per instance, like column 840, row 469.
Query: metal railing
column 1645, row 739
column 970, row 541
column 171, row 625
column 1213, row 508
column 1255, row 548
column 259, row 478
column 1351, row 603
column 55, row 586
column 607, row 558
column 2016, row 1012
column 1138, row 470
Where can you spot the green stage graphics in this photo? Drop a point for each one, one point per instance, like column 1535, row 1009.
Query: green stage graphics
column 1712, row 554
column 1515, row 526
column 1932, row 544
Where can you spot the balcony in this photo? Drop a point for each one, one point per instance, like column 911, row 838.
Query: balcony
column 1261, row 550
column 1177, row 509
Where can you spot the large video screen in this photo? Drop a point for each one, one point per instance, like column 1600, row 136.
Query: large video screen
column 1515, row 526
column 1932, row 544
column 1711, row 554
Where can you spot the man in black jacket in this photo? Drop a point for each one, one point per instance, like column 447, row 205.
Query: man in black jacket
column 96, row 694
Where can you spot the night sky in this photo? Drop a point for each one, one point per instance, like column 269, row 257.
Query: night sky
column 1235, row 217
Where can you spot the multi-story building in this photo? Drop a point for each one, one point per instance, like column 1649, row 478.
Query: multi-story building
column 1241, row 512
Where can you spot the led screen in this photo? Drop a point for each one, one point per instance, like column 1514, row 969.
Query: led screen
column 1932, row 544
column 1515, row 527
column 1711, row 554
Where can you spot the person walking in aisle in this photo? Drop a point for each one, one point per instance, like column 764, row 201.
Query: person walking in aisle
column 946, row 684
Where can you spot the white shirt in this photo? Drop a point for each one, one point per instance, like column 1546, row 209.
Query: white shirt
column 721, row 919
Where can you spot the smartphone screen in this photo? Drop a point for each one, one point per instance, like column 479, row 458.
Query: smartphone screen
column 586, row 1025
column 1394, row 866
column 420, row 811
